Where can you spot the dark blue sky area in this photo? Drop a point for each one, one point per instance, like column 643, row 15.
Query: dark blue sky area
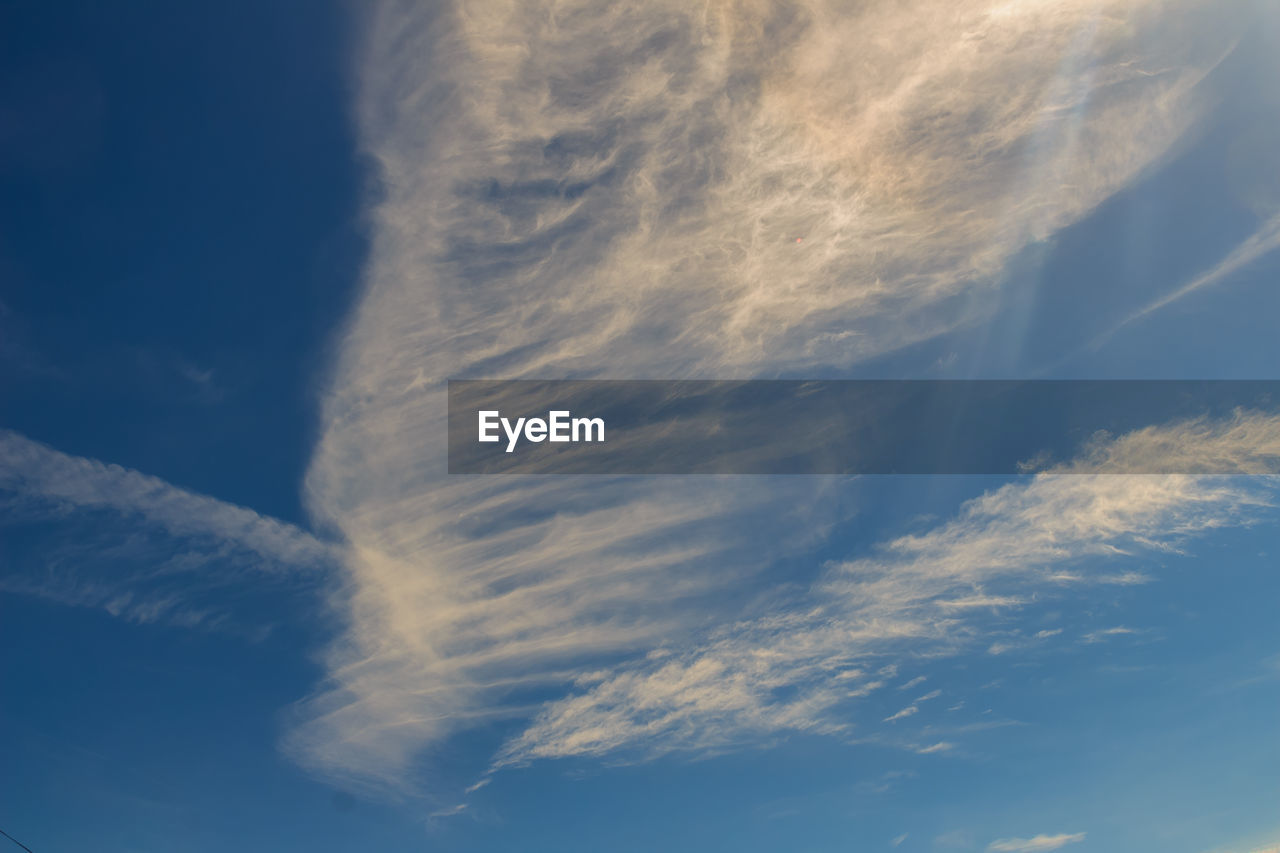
column 179, row 233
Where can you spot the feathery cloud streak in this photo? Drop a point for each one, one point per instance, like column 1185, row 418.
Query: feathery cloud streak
column 36, row 473
column 136, row 546
column 652, row 189
column 791, row 672
column 1037, row 843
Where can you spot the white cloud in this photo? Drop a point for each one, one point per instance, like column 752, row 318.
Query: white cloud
column 451, row 811
column 780, row 673
column 941, row 746
column 1107, row 633
column 908, row 711
column 1265, row 240
column 1037, row 843
column 615, row 189
column 139, row 548
column 982, row 601
column 47, row 481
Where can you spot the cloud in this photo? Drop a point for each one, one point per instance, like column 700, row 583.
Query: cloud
column 47, row 481
column 983, row 601
column 102, row 536
column 790, row 671
column 1039, row 842
column 451, row 811
column 941, row 746
column 1107, row 633
column 592, row 189
column 903, row 714
column 1264, row 241
column 674, row 156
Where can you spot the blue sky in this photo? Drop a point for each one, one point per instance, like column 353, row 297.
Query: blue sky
column 242, row 246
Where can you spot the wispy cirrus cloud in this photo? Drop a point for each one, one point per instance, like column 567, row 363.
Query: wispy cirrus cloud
column 1035, row 843
column 590, row 189
column 933, row 748
column 40, row 479
column 1262, row 242
column 791, row 672
column 1259, row 244
column 137, row 547
column 1107, row 633
column 902, row 714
